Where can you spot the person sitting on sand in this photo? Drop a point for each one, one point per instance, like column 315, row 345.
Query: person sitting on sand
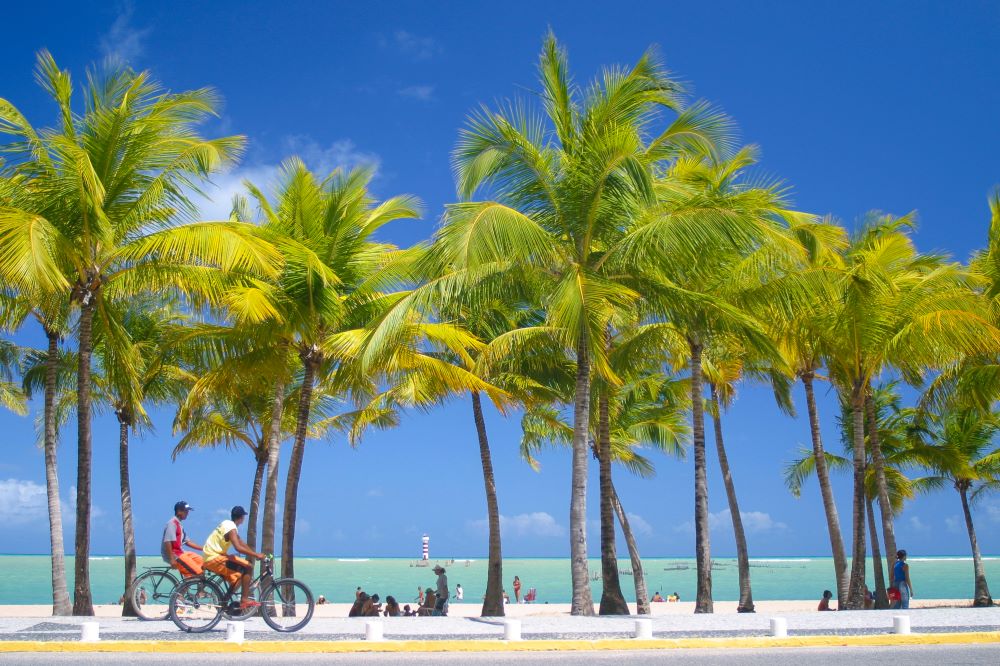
column 391, row 607
column 321, row 600
column 824, row 604
column 407, row 611
column 359, row 603
column 372, row 607
column 673, row 597
column 657, row 597
column 427, row 608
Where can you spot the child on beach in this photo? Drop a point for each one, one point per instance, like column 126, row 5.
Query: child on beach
column 824, row 604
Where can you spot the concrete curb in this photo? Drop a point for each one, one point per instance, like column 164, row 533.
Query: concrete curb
column 305, row 647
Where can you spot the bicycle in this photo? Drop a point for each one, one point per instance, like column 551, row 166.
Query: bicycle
column 151, row 590
column 197, row 604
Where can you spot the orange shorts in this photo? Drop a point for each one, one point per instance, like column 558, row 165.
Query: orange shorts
column 189, row 564
column 230, row 567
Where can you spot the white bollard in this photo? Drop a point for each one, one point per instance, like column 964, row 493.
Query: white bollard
column 90, row 632
column 644, row 629
column 512, row 630
column 779, row 627
column 373, row 631
column 235, row 632
column 900, row 624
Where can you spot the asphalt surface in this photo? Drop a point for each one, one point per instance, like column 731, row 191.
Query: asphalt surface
column 936, row 654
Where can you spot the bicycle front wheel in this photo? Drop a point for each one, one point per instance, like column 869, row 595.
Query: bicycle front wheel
column 287, row 605
column 150, row 594
column 196, row 605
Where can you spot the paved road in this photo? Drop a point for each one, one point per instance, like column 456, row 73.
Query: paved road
column 939, row 654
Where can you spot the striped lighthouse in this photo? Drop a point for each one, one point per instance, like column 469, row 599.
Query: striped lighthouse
column 425, row 548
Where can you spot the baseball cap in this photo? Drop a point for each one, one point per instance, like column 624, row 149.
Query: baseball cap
column 237, row 512
column 182, row 506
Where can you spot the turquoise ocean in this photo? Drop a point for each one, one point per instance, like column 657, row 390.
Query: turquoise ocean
column 25, row 579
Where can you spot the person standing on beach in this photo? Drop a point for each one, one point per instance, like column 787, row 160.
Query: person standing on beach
column 517, row 590
column 441, row 593
column 174, row 537
column 901, row 579
column 459, row 592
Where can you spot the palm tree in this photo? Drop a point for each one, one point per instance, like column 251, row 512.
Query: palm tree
column 55, row 379
column 568, row 188
column 118, row 174
column 324, row 229
column 235, row 419
column 901, row 308
column 959, row 446
column 714, row 293
column 133, row 336
column 800, row 336
column 646, row 411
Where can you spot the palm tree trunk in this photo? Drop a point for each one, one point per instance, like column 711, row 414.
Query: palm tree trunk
column 638, row 576
column 878, row 462
column 855, row 594
column 128, row 528
column 60, row 593
column 295, row 468
column 742, row 553
column 703, row 551
column 982, row 596
column 82, row 601
column 583, row 600
column 826, row 490
column 881, row 598
column 258, row 482
column 612, row 599
column 493, row 601
column 273, row 458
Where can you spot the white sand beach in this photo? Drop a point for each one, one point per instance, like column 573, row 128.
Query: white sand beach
column 526, row 610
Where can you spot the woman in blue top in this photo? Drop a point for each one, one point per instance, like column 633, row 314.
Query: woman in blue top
column 901, row 580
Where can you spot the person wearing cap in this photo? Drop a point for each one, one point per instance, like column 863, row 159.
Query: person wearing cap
column 218, row 560
column 441, row 593
column 174, row 537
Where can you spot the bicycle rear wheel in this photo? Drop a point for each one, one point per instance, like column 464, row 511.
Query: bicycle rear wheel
column 150, row 594
column 287, row 605
column 196, row 605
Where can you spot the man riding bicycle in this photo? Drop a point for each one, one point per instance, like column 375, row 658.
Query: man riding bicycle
column 231, row 568
column 174, row 537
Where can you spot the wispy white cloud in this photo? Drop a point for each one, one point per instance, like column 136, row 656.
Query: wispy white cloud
column 374, row 492
column 415, row 46
column 919, row 525
column 123, row 41
column 753, row 522
column 23, row 502
column 537, row 524
column 639, row 524
column 216, row 201
column 420, row 93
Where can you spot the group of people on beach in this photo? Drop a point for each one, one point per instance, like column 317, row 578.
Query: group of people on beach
column 670, row 597
column 432, row 601
column 900, row 590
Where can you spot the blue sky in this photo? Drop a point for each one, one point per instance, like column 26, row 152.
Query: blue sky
column 857, row 105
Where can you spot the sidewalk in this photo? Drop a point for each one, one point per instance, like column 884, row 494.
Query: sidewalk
column 457, row 633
